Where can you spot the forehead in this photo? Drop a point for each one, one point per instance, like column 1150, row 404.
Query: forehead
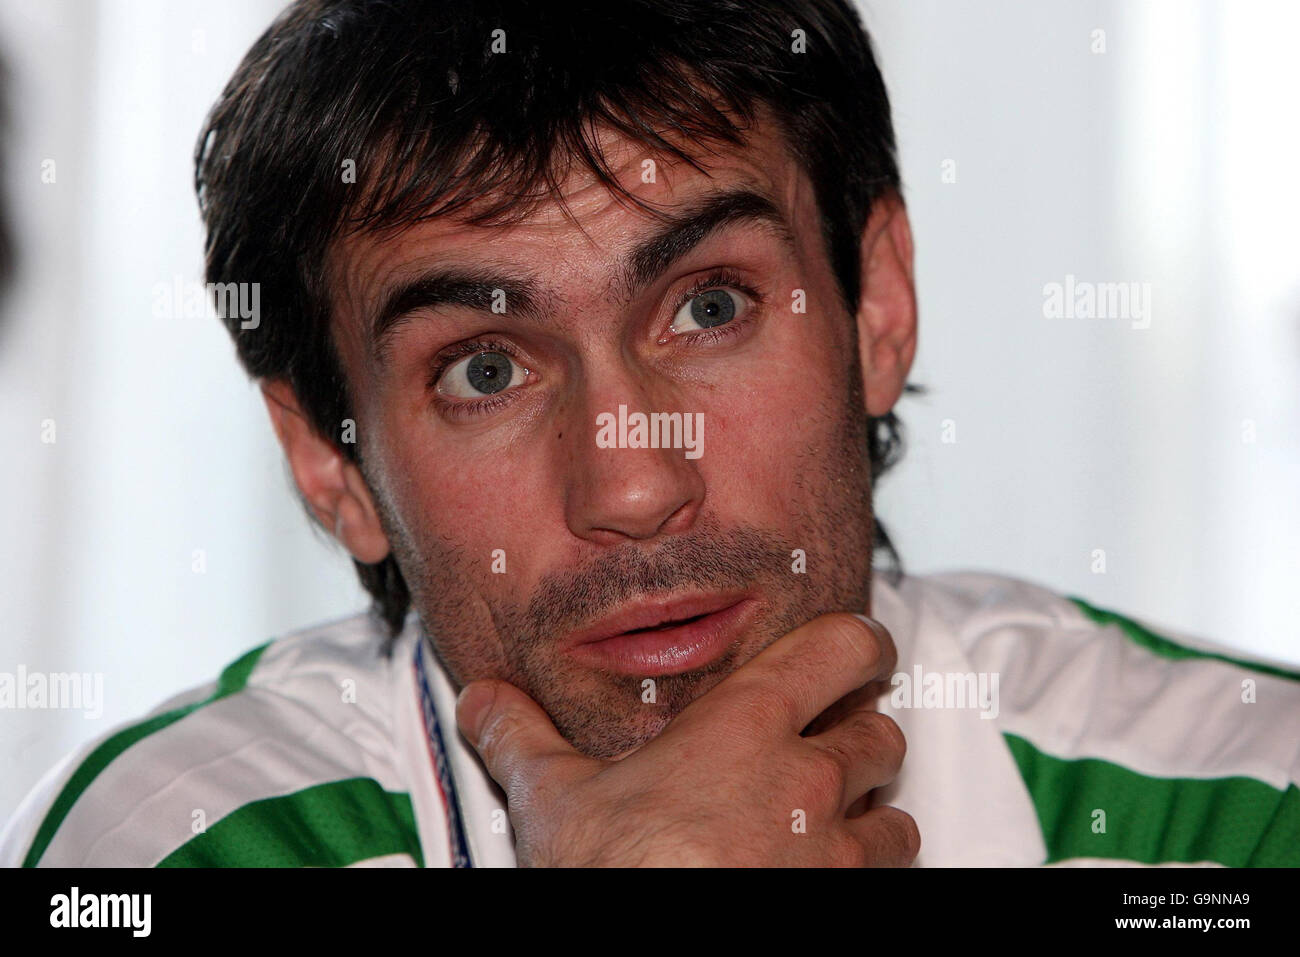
column 587, row 223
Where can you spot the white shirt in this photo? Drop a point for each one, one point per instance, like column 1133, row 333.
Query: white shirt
column 1085, row 739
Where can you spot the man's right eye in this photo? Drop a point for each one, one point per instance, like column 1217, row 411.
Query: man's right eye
column 484, row 373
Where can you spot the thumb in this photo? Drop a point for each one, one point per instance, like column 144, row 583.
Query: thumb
column 511, row 732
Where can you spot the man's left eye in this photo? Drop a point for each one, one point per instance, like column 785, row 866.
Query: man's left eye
column 713, row 307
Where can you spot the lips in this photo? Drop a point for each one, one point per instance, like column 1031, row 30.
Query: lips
column 665, row 636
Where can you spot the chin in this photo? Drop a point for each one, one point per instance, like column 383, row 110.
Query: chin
column 604, row 726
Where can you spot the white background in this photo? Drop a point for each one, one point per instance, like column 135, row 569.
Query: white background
column 1168, row 159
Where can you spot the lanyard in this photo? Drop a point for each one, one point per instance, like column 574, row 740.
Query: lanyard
column 441, row 766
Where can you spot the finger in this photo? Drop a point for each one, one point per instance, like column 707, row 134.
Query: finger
column 513, row 735
column 869, row 747
column 890, row 836
column 864, row 697
column 803, row 673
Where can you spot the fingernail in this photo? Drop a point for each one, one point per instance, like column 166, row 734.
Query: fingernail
column 473, row 706
column 871, row 623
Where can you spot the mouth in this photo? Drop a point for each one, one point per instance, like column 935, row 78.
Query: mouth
column 665, row 636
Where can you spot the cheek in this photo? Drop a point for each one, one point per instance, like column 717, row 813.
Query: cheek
column 471, row 508
column 483, row 517
column 768, row 445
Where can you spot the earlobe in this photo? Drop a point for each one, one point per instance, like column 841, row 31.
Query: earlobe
column 886, row 305
column 357, row 523
column 333, row 487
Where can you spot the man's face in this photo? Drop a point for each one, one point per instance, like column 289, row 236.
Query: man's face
column 522, row 537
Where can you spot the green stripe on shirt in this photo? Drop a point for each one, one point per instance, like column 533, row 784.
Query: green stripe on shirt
column 1236, row 821
column 232, row 679
column 327, row 825
column 1162, row 646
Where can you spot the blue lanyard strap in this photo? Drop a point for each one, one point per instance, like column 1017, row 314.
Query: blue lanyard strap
column 441, row 766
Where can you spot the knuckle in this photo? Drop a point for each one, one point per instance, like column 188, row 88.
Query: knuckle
column 886, row 730
column 858, row 641
column 877, row 739
column 847, row 851
column 755, row 705
column 914, row 838
column 495, row 732
column 823, row 773
column 500, row 738
column 911, row 835
column 904, row 837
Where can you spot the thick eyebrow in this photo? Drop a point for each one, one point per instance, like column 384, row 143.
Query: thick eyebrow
column 469, row 288
column 474, row 288
column 684, row 231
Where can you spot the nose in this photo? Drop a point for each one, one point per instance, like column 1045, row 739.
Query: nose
column 626, row 493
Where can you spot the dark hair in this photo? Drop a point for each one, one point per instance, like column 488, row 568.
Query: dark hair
column 413, row 93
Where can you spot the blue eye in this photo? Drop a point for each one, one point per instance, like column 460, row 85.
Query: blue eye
column 713, row 307
column 484, row 373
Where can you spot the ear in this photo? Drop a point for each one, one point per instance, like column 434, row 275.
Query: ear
column 886, row 305
column 333, row 487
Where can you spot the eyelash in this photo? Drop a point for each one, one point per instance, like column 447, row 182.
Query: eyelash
column 718, row 278
column 463, row 407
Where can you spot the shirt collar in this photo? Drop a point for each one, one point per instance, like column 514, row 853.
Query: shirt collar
column 475, row 799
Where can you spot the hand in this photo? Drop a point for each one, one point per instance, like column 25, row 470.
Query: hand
column 727, row 782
